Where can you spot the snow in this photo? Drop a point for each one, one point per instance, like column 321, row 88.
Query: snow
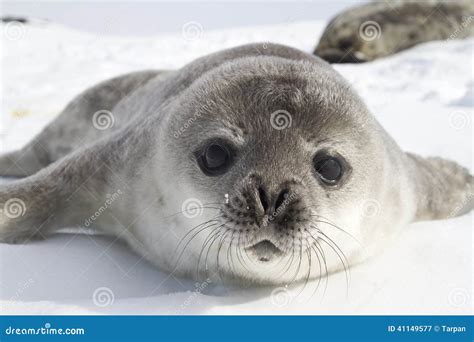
column 422, row 96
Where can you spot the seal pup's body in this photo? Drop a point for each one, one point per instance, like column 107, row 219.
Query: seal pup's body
column 382, row 28
column 276, row 203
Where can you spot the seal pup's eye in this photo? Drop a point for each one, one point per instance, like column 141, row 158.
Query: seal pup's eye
column 329, row 168
column 215, row 159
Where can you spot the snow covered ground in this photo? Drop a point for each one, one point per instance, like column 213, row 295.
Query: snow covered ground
column 423, row 97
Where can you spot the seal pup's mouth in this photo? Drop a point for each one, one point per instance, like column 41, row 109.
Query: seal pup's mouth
column 265, row 251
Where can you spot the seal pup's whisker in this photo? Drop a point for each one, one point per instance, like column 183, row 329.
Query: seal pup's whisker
column 287, row 267
column 320, row 269
column 337, row 248
column 239, row 253
column 308, row 272
column 214, row 220
column 219, row 248
column 216, row 238
column 230, row 258
column 319, row 250
column 333, row 225
column 208, row 226
column 342, row 258
column 298, row 268
column 208, row 241
column 200, row 227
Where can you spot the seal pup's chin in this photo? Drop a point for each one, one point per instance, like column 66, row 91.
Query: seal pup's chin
column 265, row 251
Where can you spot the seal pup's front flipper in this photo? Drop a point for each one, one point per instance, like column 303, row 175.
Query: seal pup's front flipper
column 24, row 162
column 443, row 188
column 83, row 189
column 90, row 116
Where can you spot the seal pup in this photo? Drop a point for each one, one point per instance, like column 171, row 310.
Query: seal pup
column 380, row 29
column 258, row 164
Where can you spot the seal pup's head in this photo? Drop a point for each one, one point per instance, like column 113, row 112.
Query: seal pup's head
column 284, row 174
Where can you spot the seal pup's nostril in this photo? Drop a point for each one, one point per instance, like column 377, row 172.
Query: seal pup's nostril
column 263, row 197
column 282, row 196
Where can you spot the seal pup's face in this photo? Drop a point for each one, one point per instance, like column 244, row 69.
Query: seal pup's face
column 350, row 41
column 271, row 151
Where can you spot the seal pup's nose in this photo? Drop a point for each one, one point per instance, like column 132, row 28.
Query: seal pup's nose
column 278, row 200
column 269, row 206
column 264, row 202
